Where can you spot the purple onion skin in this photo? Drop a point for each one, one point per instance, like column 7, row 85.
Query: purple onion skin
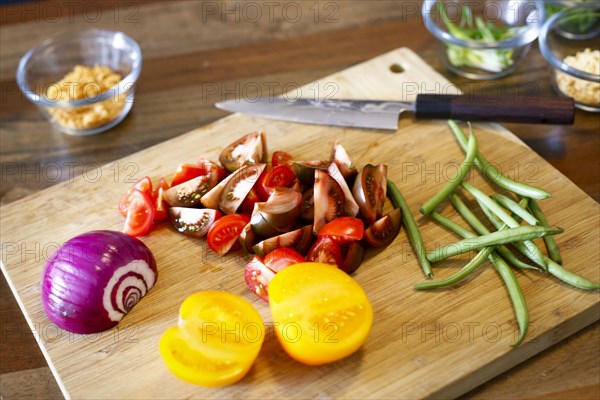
column 75, row 278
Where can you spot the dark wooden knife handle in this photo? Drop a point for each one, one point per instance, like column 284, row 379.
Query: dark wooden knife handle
column 524, row 109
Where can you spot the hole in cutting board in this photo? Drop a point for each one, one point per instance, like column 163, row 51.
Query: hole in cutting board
column 396, row 68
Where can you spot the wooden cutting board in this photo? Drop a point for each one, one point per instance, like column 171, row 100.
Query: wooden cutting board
column 423, row 344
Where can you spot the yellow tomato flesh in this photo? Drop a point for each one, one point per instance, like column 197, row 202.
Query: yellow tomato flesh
column 320, row 313
column 216, row 341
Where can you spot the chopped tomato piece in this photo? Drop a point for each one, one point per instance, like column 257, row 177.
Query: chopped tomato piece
column 354, row 253
column 299, row 239
column 186, row 172
column 369, row 191
column 341, row 158
column 140, row 214
column 247, row 205
column 343, row 229
column 330, row 313
column 162, row 183
column 160, row 205
column 211, row 166
column 194, row 222
column 249, row 149
column 257, row 277
column 189, row 194
column 281, row 158
column 247, row 239
column 224, row 233
column 328, row 199
column 237, row 187
column 144, row 185
column 281, row 175
column 325, row 250
column 259, row 272
column 216, row 340
column 281, row 258
column 384, row 230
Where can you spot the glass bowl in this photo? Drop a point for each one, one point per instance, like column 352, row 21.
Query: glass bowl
column 570, row 42
column 483, row 39
column 554, row 6
column 79, row 107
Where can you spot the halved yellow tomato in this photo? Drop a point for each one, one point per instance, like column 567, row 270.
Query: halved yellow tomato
column 216, row 341
column 320, row 314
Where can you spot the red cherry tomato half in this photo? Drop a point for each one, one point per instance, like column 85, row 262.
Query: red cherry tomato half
column 258, row 277
column 160, row 205
column 224, row 233
column 281, row 175
column 144, row 185
column 369, row 190
column 384, row 230
column 186, row 172
column 281, row 158
column 353, row 254
column 343, row 229
column 161, row 184
column 325, row 250
column 211, row 166
column 140, row 214
column 282, row 257
column 247, row 205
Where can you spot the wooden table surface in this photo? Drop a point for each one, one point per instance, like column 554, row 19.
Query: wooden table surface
column 197, row 53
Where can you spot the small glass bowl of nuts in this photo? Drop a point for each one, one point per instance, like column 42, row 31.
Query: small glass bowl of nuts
column 570, row 42
column 83, row 82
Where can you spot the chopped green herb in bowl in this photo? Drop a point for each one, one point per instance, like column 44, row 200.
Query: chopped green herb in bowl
column 486, row 39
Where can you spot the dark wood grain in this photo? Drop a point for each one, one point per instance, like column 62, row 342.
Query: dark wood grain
column 527, row 109
column 56, row 10
column 186, row 73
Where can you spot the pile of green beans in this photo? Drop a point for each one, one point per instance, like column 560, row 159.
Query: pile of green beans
column 505, row 214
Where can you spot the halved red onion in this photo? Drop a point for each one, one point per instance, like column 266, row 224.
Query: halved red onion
column 94, row 279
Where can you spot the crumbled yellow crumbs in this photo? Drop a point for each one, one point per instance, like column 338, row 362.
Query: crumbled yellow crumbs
column 82, row 83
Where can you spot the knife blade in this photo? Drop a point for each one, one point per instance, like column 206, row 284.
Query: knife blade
column 383, row 114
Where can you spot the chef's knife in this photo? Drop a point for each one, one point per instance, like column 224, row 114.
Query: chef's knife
column 384, row 114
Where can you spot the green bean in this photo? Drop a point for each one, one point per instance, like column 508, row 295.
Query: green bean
column 453, row 226
column 534, row 251
column 508, row 277
column 491, row 216
column 551, row 245
column 516, row 295
column 523, row 204
column 494, row 174
column 491, row 204
column 570, row 277
column 495, row 238
column 461, row 274
column 468, row 215
column 520, row 246
column 472, row 220
column 455, row 181
column 414, row 235
column 516, row 209
column 495, row 221
column 464, row 271
column 553, row 267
